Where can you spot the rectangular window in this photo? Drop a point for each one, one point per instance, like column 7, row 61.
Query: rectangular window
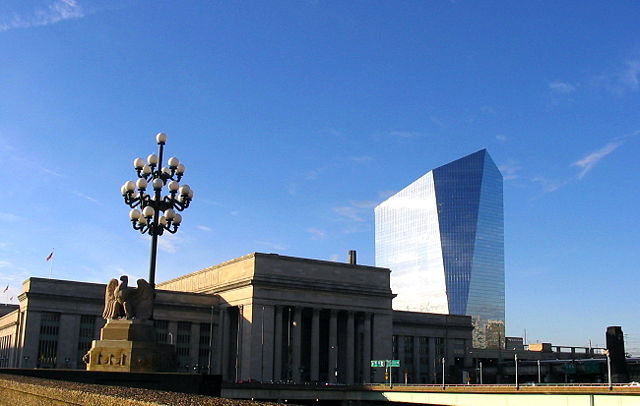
column 48, row 344
column 183, row 345
column 162, row 331
column 86, row 335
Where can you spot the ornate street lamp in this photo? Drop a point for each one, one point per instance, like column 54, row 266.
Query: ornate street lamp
column 148, row 220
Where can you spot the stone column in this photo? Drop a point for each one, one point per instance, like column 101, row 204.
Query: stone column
column 277, row 351
column 194, row 348
column 366, row 348
column 416, row 359
column 382, row 336
column 333, row 346
column 66, row 354
column 266, row 343
column 403, row 366
column 296, row 344
column 432, row 359
column 220, row 343
column 315, row 345
column 30, row 339
column 350, row 349
column 224, row 335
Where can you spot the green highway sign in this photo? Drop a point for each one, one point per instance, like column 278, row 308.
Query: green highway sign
column 377, row 364
column 394, row 363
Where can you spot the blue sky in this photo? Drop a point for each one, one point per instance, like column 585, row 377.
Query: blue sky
column 295, row 118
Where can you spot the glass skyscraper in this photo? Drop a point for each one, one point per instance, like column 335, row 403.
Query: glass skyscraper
column 443, row 239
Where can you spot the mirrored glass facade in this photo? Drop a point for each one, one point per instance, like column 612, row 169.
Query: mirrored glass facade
column 443, row 238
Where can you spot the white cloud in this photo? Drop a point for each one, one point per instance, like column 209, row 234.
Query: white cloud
column 169, row 243
column 589, row 161
column 361, row 159
column 502, row 138
column 204, row 228
column 82, row 195
column 316, row 233
column 333, row 257
column 509, row 170
column 9, row 218
column 630, row 77
column 562, row 87
column 405, row 134
column 51, row 13
column 4, row 264
column 349, row 212
column 367, row 204
column 548, row 185
column 273, row 245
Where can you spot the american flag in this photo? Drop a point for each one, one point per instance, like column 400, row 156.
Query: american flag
column 49, row 256
column 6, row 289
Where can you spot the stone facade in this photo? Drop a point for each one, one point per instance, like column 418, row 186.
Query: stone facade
column 261, row 317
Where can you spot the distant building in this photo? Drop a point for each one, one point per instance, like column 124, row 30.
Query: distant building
column 443, row 238
column 261, row 317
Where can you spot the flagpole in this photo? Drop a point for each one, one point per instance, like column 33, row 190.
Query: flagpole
column 52, row 258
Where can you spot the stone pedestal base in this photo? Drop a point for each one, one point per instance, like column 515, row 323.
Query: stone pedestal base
column 129, row 346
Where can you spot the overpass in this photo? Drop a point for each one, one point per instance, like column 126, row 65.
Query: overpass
column 450, row 395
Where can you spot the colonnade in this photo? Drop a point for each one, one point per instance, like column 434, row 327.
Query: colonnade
column 280, row 343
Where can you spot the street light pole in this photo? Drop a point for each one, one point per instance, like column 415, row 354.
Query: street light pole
column 480, row 372
column 149, row 220
column 539, row 374
column 443, row 361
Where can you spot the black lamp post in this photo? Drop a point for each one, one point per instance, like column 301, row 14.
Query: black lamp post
column 149, row 220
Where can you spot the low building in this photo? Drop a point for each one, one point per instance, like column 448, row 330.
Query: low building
column 262, row 317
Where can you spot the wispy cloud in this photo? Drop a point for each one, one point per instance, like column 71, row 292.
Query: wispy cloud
column 365, row 204
column 169, row 243
column 361, row 159
column 86, row 197
column 562, row 87
column 204, row 228
column 590, row 160
column 273, row 245
column 509, row 170
column 502, row 138
column 349, row 212
column 316, row 233
column 623, row 79
column 549, row 185
column 406, row 134
column 50, row 13
column 333, row 257
column 9, row 218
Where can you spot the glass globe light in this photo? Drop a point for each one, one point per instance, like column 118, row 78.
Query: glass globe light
column 177, row 219
column 184, row 190
column 141, row 184
column 169, row 214
column 162, row 221
column 158, row 184
column 138, row 163
column 134, row 214
column 190, row 194
column 173, row 186
column 173, row 162
column 180, row 169
column 152, row 159
column 161, row 138
column 129, row 186
column 142, row 221
column 146, row 169
column 148, row 211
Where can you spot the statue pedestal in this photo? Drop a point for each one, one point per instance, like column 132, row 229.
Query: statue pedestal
column 130, row 346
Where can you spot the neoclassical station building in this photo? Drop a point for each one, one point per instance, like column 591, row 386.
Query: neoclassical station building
column 262, row 317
